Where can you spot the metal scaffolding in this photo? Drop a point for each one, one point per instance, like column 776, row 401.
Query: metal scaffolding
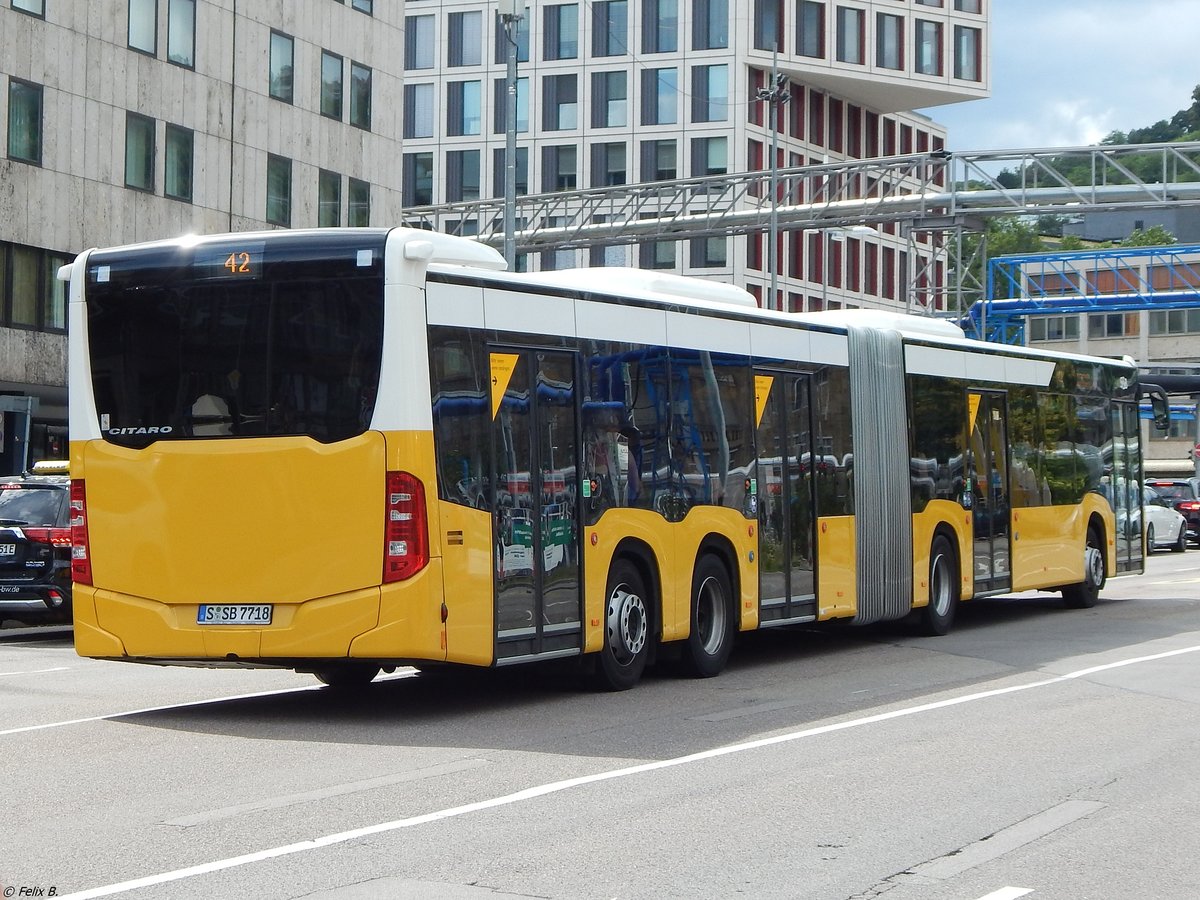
column 937, row 200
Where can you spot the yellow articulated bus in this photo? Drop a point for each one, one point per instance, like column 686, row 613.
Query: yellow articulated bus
column 340, row 451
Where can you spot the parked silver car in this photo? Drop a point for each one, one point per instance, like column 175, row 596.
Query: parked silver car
column 1166, row 529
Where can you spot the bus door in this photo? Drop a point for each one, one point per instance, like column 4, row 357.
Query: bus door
column 786, row 499
column 536, row 503
column 987, row 489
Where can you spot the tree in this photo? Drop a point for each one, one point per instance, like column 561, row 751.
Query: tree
column 1154, row 236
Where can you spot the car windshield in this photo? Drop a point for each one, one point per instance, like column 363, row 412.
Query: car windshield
column 27, row 505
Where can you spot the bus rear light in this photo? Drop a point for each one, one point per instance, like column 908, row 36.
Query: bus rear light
column 81, row 561
column 406, row 535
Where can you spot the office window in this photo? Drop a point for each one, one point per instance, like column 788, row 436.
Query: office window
column 418, row 42
column 522, row 180
column 709, row 253
column 363, row 6
column 33, row 7
column 710, row 93
column 560, row 103
column 139, row 152
column 462, row 175
column 1108, row 325
column 177, row 181
column 937, row 3
column 143, row 26
column 279, row 190
column 561, row 39
column 768, row 24
column 710, row 156
column 24, row 121
column 889, row 41
column 610, row 27
column 462, row 108
column 281, row 67
column 968, row 6
column 810, row 29
column 660, row 160
column 331, row 85
column 466, row 39
column 500, row 102
column 360, row 95
column 966, row 53
column 660, row 96
column 1174, row 321
column 26, row 285
column 359, row 211
column 851, row 33
column 329, row 199
column 521, row 36
column 418, row 110
column 1053, row 328
column 609, row 100
column 181, row 32
column 660, row 26
column 560, row 167
column 710, row 24
column 928, row 47
column 417, row 179
column 608, row 164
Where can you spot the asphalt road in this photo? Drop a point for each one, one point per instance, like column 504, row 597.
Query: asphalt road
column 1034, row 752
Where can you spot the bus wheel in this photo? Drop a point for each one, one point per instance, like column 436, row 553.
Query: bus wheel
column 347, row 675
column 711, row 636
column 626, row 629
column 1085, row 594
column 938, row 615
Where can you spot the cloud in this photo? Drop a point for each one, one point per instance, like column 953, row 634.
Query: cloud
column 1064, row 74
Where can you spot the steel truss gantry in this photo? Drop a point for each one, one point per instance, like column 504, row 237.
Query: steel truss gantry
column 937, row 201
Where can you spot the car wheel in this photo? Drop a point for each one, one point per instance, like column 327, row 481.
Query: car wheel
column 627, row 631
column 1180, row 544
column 1149, row 538
column 937, row 616
column 1085, row 594
column 711, row 637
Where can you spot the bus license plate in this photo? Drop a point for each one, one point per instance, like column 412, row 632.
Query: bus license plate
column 8, row 549
column 234, row 614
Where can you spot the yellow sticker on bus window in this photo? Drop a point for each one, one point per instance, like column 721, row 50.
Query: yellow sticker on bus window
column 503, row 365
column 973, row 408
column 762, row 390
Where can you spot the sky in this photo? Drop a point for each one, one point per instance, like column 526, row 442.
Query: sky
column 1067, row 73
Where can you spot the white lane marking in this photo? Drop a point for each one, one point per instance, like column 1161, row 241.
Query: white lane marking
column 1008, row 893
column 35, row 671
column 1174, row 581
column 555, row 787
column 153, row 709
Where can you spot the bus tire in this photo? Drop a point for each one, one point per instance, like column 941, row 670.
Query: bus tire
column 627, row 629
column 710, row 638
column 938, row 614
column 1085, row 594
column 347, row 676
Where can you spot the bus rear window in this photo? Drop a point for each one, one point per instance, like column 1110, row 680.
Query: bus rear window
column 177, row 353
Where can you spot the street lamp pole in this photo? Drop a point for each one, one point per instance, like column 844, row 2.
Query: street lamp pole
column 511, row 12
column 775, row 96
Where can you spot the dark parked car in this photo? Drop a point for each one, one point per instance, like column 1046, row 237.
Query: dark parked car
column 35, row 547
column 1183, row 494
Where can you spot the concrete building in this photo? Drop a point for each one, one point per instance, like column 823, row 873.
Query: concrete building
column 130, row 120
column 622, row 91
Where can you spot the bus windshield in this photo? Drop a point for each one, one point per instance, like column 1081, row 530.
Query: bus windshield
column 184, row 344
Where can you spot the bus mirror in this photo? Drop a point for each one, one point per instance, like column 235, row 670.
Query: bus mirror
column 1159, row 406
